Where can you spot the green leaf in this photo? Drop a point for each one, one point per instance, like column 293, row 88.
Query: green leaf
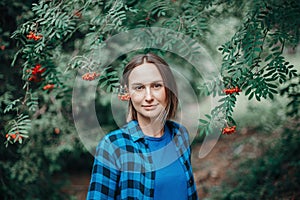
column 103, row 84
column 231, row 120
column 203, row 121
column 272, row 85
column 223, row 99
column 268, row 57
column 273, row 91
column 109, row 88
column 257, row 97
column 271, row 96
column 248, row 91
column 208, row 116
column 276, row 48
column 251, row 96
column 257, row 49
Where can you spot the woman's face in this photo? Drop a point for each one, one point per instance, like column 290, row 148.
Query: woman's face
column 147, row 92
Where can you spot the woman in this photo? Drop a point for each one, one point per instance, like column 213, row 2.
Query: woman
column 149, row 157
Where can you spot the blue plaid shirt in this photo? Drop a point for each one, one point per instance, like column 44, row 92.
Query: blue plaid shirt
column 123, row 166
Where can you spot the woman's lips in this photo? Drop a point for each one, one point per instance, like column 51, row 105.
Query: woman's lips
column 149, row 107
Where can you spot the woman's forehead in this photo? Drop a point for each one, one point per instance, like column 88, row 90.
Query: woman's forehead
column 145, row 73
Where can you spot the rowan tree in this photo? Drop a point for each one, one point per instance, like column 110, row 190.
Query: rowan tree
column 43, row 46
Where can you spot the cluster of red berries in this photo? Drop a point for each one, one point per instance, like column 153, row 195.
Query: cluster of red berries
column 36, row 76
column 48, row 87
column 33, row 36
column 89, row 76
column 232, row 90
column 228, row 130
column 13, row 136
column 36, row 73
column 124, row 97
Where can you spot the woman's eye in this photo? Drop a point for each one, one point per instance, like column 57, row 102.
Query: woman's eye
column 139, row 87
column 157, row 86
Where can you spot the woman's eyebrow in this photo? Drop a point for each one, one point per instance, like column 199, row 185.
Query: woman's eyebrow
column 138, row 83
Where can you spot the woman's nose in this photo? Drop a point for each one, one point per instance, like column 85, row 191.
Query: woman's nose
column 148, row 95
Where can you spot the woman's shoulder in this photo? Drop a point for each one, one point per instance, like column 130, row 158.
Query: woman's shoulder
column 121, row 134
column 116, row 135
column 120, row 138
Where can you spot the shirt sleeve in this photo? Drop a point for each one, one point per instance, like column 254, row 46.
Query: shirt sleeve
column 105, row 174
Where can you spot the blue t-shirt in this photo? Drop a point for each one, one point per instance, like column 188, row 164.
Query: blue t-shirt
column 170, row 180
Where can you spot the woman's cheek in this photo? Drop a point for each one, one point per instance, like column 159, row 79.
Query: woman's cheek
column 136, row 97
column 160, row 95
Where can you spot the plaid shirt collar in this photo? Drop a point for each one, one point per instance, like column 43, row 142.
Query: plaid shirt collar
column 132, row 128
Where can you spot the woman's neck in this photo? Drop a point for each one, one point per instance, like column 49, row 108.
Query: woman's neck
column 152, row 128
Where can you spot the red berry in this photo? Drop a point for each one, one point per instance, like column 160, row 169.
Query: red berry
column 48, row 87
column 56, row 131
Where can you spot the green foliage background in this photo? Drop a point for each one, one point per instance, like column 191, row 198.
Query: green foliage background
column 252, row 59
